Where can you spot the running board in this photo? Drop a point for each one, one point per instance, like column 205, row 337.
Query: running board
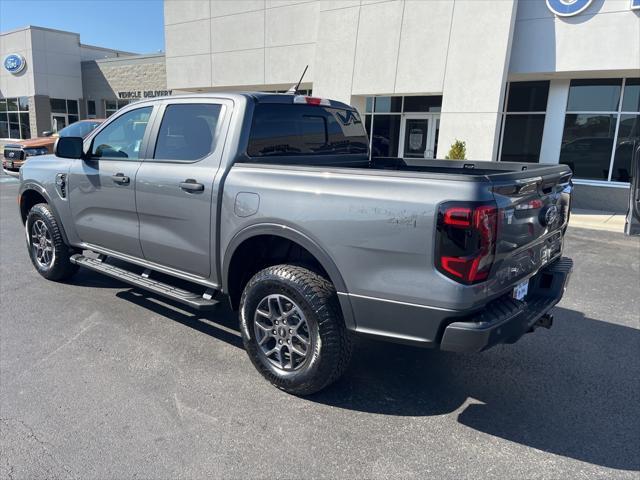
column 198, row 302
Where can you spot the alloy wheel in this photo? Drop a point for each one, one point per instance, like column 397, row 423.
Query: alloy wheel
column 42, row 244
column 282, row 332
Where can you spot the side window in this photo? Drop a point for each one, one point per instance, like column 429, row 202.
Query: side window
column 187, row 131
column 121, row 139
column 280, row 130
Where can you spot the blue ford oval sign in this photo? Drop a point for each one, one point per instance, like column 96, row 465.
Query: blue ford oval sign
column 567, row 8
column 14, row 63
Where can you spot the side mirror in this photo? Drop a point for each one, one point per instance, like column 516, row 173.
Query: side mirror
column 47, row 133
column 69, row 147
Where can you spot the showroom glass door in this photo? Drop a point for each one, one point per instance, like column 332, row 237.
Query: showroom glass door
column 418, row 135
column 58, row 122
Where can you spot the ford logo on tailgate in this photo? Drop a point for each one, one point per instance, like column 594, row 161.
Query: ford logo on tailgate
column 549, row 215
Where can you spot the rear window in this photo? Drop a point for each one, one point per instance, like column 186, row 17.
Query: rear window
column 298, row 130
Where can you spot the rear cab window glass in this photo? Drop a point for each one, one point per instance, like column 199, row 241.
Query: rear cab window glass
column 122, row 138
column 283, row 130
column 187, row 132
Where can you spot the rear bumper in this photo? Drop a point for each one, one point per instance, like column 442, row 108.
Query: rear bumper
column 505, row 319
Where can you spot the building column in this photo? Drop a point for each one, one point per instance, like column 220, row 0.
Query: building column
column 475, row 76
column 554, row 121
column 39, row 115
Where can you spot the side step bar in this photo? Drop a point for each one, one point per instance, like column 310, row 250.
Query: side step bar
column 198, row 302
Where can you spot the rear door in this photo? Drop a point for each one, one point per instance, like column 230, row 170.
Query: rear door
column 175, row 186
column 102, row 187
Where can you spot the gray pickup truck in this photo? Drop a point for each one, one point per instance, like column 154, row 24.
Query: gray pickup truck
column 272, row 201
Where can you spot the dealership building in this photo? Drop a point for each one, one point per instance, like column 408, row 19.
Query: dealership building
column 529, row 80
column 524, row 80
column 50, row 79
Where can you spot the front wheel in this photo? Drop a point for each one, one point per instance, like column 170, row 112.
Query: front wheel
column 47, row 250
column 293, row 330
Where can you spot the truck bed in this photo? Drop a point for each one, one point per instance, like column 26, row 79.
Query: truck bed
column 496, row 172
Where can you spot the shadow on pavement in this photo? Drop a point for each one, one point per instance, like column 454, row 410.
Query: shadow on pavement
column 200, row 321
column 572, row 391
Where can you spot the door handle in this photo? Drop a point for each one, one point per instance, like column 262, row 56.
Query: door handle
column 190, row 185
column 120, row 178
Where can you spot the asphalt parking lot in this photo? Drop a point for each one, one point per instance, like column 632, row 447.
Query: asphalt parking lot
column 101, row 381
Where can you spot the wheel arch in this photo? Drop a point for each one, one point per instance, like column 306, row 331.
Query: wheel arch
column 31, row 194
column 260, row 231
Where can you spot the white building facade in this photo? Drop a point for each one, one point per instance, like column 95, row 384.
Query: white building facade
column 529, row 80
column 49, row 79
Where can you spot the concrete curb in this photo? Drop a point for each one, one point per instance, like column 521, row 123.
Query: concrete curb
column 597, row 220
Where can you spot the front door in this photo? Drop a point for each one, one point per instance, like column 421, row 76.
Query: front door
column 176, row 186
column 102, row 193
column 419, row 136
column 58, row 122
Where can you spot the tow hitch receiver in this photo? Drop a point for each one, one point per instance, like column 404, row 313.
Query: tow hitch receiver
column 545, row 321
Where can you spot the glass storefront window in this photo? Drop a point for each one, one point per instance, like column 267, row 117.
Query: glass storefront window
column 64, row 112
column 12, row 104
column 522, row 138
column 528, row 97
column 23, row 104
column 58, row 105
column 388, row 104
column 594, row 95
column 25, row 129
column 112, row 106
column 386, row 136
column 388, row 117
column 431, row 103
column 631, row 99
column 523, row 121
column 369, row 105
column 627, row 142
column 14, row 118
column 586, row 144
column 601, row 128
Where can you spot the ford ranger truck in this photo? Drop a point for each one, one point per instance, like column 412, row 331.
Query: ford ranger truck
column 271, row 201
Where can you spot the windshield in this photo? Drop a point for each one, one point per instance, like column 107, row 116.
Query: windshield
column 78, row 129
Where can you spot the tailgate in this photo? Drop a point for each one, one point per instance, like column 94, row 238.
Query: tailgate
column 533, row 215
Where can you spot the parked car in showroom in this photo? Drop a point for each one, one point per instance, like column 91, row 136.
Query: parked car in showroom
column 16, row 153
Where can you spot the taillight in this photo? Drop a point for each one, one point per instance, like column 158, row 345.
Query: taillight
column 466, row 244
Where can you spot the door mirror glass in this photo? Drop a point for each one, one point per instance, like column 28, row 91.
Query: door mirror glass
column 122, row 138
column 69, row 147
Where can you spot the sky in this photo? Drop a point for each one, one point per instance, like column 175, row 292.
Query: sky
column 130, row 25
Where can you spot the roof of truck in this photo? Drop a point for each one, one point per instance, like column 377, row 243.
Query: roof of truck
column 258, row 97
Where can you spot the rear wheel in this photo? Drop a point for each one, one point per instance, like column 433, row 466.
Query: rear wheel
column 47, row 250
column 293, row 330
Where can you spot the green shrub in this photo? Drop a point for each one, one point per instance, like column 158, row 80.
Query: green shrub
column 458, row 151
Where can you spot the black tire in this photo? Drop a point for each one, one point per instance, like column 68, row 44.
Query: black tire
column 59, row 267
column 329, row 351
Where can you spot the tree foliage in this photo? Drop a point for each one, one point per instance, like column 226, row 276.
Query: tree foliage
column 458, row 151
